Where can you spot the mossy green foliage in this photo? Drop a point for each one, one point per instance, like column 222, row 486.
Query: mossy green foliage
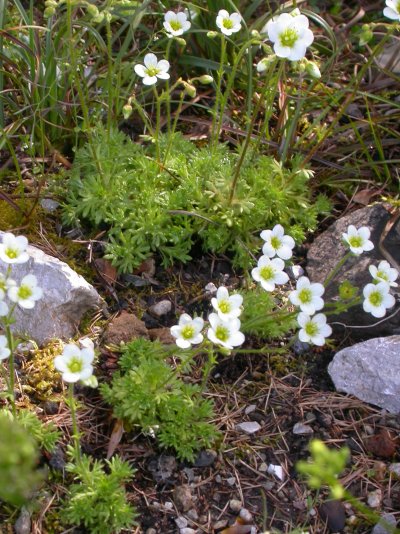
column 45, row 434
column 149, row 394
column 98, row 501
column 261, row 316
column 41, row 376
column 19, row 454
column 117, row 184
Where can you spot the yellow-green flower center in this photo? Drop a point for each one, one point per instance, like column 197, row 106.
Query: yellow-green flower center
column 275, row 242
column 175, row 25
column 222, row 333
column 289, row 37
column 152, row 71
column 355, row 241
column 75, row 365
column 224, row 306
column 311, row 329
column 380, row 274
column 24, row 292
column 227, row 23
column 267, row 272
column 187, row 331
column 375, row 298
column 305, row 295
column 12, row 253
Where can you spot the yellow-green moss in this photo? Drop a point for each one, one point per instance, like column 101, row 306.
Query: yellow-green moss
column 42, row 379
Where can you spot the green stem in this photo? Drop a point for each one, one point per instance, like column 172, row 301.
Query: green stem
column 286, row 142
column 158, row 122
column 171, row 133
column 3, row 21
column 11, row 383
column 109, row 76
column 75, row 430
column 214, row 131
column 211, row 360
column 336, row 269
column 167, row 90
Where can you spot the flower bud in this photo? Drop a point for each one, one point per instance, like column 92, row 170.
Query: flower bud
column 205, row 79
column 255, row 34
column 366, row 35
column 313, row 70
column 212, row 34
column 190, row 90
column 180, row 40
column 127, row 111
column 295, row 12
column 265, row 62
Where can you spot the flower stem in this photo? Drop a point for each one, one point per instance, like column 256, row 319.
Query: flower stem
column 75, row 430
column 158, row 121
column 211, row 360
column 336, row 269
column 11, row 382
column 214, row 130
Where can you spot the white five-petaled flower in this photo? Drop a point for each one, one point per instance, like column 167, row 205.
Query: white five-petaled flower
column 27, row 293
column 277, row 243
column 4, row 350
column 227, row 307
column 307, row 295
column 227, row 23
column 187, row 331
column 5, row 284
column 269, row 273
column 75, row 363
column 313, row 329
column 224, row 333
column 13, row 249
column 152, row 69
column 176, row 23
column 290, row 35
column 384, row 273
column 377, row 299
column 392, row 11
column 358, row 239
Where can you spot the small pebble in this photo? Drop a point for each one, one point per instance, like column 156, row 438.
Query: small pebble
column 183, row 498
column 205, row 458
column 379, row 528
column 245, row 515
column 181, row 522
column 187, row 531
column 395, row 468
column 218, row 479
column 235, row 505
column 250, row 408
column 231, row 481
column 374, row 498
column 210, row 288
column 220, row 524
column 269, row 485
column 193, row 515
column 295, row 271
column 300, row 347
column 23, row 523
column 50, row 205
column 161, row 308
column 302, row 429
column 277, row 471
column 249, row 427
column 263, row 468
column 168, row 505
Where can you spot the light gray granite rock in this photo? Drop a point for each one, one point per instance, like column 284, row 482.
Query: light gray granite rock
column 66, row 297
column 370, row 370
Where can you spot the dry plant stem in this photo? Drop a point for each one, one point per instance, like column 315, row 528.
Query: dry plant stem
column 75, row 430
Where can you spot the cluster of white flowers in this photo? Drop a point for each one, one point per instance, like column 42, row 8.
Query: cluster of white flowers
column 377, row 297
column 224, row 323
column 13, row 251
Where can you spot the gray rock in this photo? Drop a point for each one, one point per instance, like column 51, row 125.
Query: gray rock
column 370, row 370
column 249, row 427
column 379, row 528
column 161, row 308
column 235, row 505
column 374, row 498
column 205, row 458
column 181, row 522
column 183, row 498
column 66, row 297
column 302, row 429
column 50, row 205
column 395, row 469
column 23, row 523
column 294, row 271
column 328, row 249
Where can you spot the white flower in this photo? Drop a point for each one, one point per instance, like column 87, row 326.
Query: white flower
column 228, row 24
column 3, row 309
column 384, row 273
column 277, row 243
column 152, row 69
column 4, row 350
column 392, row 11
column 269, row 272
column 290, row 35
column 75, row 363
column 224, row 333
column 227, row 307
column 313, row 329
column 176, row 23
column 26, row 293
column 13, row 249
column 5, row 284
column 307, row 295
column 377, row 299
column 187, row 331
column 358, row 239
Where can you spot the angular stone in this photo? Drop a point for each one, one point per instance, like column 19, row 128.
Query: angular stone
column 327, row 249
column 302, row 429
column 183, row 499
column 161, row 308
column 249, row 427
column 66, row 297
column 370, row 370
column 333, row 514
column 387, row 520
